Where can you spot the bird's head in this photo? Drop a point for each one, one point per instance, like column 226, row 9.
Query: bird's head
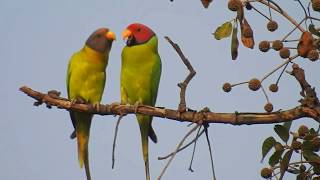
column 136, row 34
column 101, row 40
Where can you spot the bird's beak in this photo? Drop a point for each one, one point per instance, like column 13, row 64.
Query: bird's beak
column 126, row 33
column 110, row 36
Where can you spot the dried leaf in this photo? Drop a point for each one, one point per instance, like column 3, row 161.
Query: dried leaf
column 240, row 13
column 246, row 41
column 234, row 44
column 206, row 3
column 267, row 145
column 223, row 31
column 282, row 132
column 305, row 44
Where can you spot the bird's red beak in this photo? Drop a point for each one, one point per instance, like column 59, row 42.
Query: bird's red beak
column 126, row 33
column 110, row 36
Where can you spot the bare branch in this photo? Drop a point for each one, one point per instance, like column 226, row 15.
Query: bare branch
column 183, row 86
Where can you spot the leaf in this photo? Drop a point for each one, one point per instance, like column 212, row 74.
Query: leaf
column 246, row 41
column 313, row 30
column 311, row 156
column 234, row 44
column 282, row 132
column 206, row 3
column 285, row 162
column 275, row 158
column 305, row 44
column 267, row 145
column 223, row 31
column 307, row 145
column 240, row 13
column 287, row 125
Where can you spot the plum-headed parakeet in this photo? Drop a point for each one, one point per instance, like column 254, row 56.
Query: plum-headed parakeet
column 86, row 77
column 140, row 76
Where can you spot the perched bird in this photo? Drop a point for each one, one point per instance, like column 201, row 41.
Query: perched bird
column 86, row 77
column 140, row 76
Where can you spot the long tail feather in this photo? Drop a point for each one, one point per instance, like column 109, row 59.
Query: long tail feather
column 82, row 134
column 144, row 123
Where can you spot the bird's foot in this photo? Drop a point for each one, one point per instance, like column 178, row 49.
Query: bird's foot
column 78, row 100
column 136, row 106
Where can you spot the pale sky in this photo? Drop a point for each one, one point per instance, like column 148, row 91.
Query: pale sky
column 37, row 39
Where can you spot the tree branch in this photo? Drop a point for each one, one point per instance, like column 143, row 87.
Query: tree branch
column 183, row 86
column 53, row 99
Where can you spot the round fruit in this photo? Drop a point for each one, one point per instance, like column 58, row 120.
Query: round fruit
column 268, row 107
column 316, row 5
column 277, row 45
column 273, row 87
column 284, row 53
column 254, row 84
column 272, row 26
column 303, row 130
column 266, row 173
column 226, row 87
column 264, row 46
column 234, row 5
column 313, row 55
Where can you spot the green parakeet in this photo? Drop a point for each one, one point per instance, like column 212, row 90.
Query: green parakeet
column 140, row 76
column 86, row 78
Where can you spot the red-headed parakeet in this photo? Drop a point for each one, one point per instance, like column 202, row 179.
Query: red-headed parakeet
column 140, row 76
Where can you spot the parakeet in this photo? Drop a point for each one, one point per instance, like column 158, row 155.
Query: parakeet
column 86, row 77
column 140, row 76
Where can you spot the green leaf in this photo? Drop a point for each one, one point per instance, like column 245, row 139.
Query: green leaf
column 285, row 162
column 282, row 132
column 313, row 30
column 287, row 125
column 223, row 31
column 312, row 131
column 275, row 158
column 307, row 145
column 267, row 145
column 311, row 156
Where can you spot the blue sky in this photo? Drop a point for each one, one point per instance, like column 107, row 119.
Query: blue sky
column 37, row 40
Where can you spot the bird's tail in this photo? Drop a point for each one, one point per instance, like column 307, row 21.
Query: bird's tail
column 82, row 133
column 145, row 125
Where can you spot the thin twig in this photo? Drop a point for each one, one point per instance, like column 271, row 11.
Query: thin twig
column 178, row 147
column 115, row 140
column 184, row 147
column 194, row 150
column 305, row 12
column 183, row 86
column 260, row 13
column 210, row 151
column 287, row 35
column 265, row 93
column 282, row 12
column 281, row 65
column 285, row 67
